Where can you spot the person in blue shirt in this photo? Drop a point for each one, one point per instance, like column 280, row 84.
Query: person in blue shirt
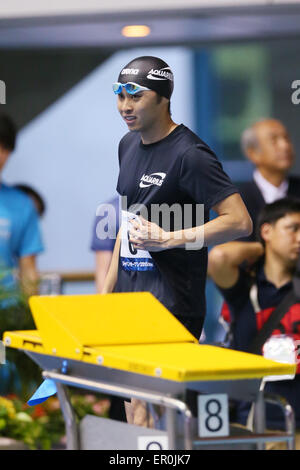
column 20, row 243
column 20, row 236
column 106, row 226
column 105, row 229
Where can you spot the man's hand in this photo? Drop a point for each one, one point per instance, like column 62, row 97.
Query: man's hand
column 112, row 275
column 233, row 222
column 148, row 236
column 103, row 260
column 224, row 261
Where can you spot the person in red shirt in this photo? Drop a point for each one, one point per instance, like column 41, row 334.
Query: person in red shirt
column 254, row 277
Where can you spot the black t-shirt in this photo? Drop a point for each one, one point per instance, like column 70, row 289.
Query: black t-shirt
column 182, row 170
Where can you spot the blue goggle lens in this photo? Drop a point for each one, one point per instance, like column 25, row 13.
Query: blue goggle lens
column 131, row 88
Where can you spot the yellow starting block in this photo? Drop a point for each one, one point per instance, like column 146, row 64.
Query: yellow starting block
column 129, row 344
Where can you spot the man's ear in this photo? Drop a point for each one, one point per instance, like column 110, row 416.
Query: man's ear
column 266, row 231
column 253, row 154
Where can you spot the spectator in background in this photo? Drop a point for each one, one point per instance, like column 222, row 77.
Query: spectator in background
column 20, row 242
column 268, row 146
column 104, row 247
column 20, row 237
column 253, row 294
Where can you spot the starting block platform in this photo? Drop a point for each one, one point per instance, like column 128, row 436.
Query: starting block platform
column 130, row 345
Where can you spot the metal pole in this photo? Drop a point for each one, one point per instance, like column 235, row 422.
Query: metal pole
column 69, row 417
column 289, row 416
column 123, row 391
column 171, row 427
column 259, row 417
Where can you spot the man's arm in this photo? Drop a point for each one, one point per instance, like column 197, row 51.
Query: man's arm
column 28, row 275
column 112, row 275
column 233, row 222
column 224, row 261
column 103, row 260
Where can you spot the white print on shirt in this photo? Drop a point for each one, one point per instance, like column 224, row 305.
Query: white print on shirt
column 156, row 179
column 132, row 259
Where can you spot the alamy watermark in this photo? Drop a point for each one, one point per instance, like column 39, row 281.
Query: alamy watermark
column 296, row 94
column 2, row 353
column 171, row 218
column 2, row 92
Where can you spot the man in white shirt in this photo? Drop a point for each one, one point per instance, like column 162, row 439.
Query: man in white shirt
column 270, row 192
column 268, row 146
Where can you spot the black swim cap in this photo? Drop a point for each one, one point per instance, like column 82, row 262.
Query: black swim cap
column 150, row 72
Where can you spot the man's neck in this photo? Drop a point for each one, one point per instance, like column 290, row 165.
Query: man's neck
column 274, row 177
column 276, row 271
column 158, row 132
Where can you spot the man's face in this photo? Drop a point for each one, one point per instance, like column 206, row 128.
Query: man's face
column 139, row 111
column 275, row 150
column 4, row 154
column 283, row 238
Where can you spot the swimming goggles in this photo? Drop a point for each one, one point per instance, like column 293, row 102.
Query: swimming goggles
column 131, row 88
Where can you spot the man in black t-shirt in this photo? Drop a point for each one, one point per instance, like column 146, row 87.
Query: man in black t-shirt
column 171, row 179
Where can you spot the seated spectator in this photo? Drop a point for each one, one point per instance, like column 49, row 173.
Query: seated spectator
column 269, row 265
column 20, row 237
column 268, row 146
column 20, row 242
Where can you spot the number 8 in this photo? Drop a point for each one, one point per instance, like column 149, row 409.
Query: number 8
column 213, row 415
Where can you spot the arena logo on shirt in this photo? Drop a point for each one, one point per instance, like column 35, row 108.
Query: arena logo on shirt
column 156, row 179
